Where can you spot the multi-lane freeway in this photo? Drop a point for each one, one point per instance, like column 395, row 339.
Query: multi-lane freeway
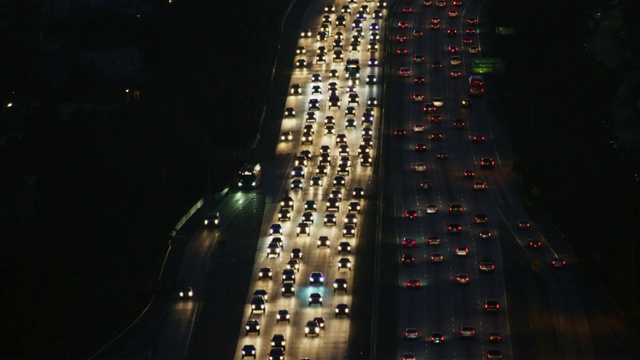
column 422, row 214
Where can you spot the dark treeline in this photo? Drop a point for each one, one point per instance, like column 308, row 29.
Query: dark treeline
column 84, row 243
column 559, row 112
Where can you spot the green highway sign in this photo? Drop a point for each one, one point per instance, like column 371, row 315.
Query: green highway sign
column 487, row 65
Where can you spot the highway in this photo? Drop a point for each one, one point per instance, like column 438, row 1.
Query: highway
column 544, row 310
column 332, row 341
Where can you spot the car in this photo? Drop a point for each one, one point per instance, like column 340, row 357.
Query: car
column 286, row 136
column 316, row 278
column 264, row 273
column 417, row 33
column 479, row 185
column 316, row 181
column 409, row 356
column 420, row 167
column 312, row 328
column 441, row 3
column 343, row 247
column 454, row 228
column 330, row 9
column 413, row 284
column 436, row 65
column 467, row 331
column 296, row 184
column 452, row 32
column 298, row 171
column 353, row 98
column 417, row 97
column 535, row 243
column 186, row 292
column 455, row 73
column 418, row 128
column 437, row 337
column 296, row 253
column 307, row 138
column 455, row 209
column 284, row 215
column 453, row 12
column 419, row 80
column 329, row 130
column 472, row 21
column 324, row 240
column 289, row 112
column 288, row 275
column 293, row 264
column 358, row 192
column 486, row 265
column 407, row 9
column 373, row 62
column 336, row 193
column 315, row 298
column 366, row 131
column 344, row 263
column 377, row 14
column 273, row 249
column 329, row 219
column 425, row 184
column 493, row 354
column 455, row 60
column 485, row 234
column 342, row 309
column 411, row 333
column 333, row 205
column 478, row 138
column 473, row 49
column 408, row 243
column 303, row 229
column 340, row 284
column 465, row 103
column 524, row 225
column 288, row 289
column 467, row 41
column 403, row 25
column 462, row 250
column 349, row 230
column 420, row 147
column 410, row 214
column 316, row 78
column 481, row 218
column 248, row 350
column 372, row 79
column 354, row 206
column 333, row 73
column 433, row 240
column 441, row 155
column 436, row 136
column 495, row 337
column 452, row 49
column 275, row 229
column 458, row 124
column 278, row 341
column 314, row 104
column 350, row 111
column 407, row 260
column 429, row 107
column 258, row 304
column 211, row 218
column 373, row 46
column 431, row 208
column 462, row 279
column 402, row 51
column 311, row 117
column 558, row 262
column 468, row 174
column 491, row 306
column 372, row 101
column 437, row 258
column 399, row 133
column 306, row 33
column 404, row 72
column 487, row 163
column 366, row 160
column 300, row 63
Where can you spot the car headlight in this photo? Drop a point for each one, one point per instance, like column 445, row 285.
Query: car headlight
column 181, row 294
column 206, row 222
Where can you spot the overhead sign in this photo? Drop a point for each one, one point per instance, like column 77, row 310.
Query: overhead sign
column 487, row 65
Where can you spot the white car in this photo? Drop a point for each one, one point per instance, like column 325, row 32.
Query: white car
column 418, row 127
column 438, row 102
column 420, row 167
column 431, row 209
